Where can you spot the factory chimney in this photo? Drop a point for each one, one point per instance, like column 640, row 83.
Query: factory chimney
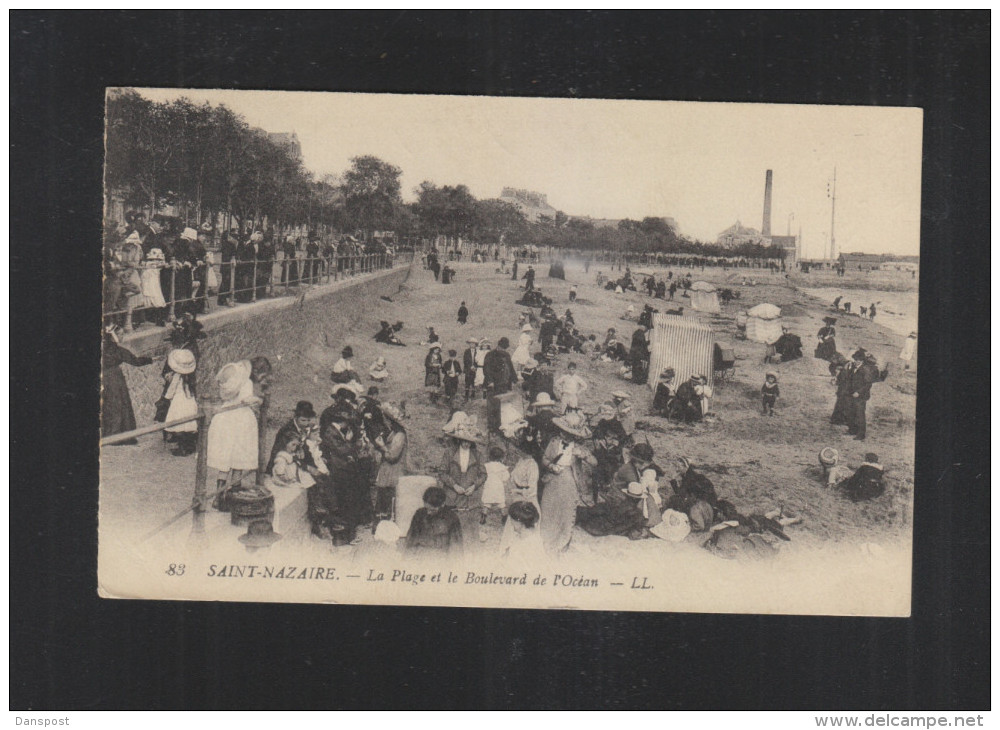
column 765, row 228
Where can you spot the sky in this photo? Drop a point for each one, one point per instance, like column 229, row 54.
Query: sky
column 702, row 164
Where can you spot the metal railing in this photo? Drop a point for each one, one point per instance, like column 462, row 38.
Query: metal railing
column 238, row 282
column 207, row 410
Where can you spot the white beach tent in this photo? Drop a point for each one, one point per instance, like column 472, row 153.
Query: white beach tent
column 681, row 343
column 704, row 298
column 764, row 323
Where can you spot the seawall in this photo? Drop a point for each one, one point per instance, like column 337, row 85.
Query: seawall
column 270, row 327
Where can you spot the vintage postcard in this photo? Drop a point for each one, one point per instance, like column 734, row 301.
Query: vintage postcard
column 509, row 352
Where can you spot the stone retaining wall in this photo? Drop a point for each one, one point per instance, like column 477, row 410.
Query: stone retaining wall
column 266, row 328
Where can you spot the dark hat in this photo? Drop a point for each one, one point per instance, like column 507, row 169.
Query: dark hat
column 260, row 533
column 830, row 320
column 504, row 343
column 347, row 351
column 643, row 452
column 871, row 458
column 304, row 409
column 860, row 354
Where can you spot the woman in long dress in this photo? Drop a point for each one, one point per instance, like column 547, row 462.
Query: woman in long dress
column 152, row 293
column 117, row 415
column 522, row 353
column 563, row 463
column 232, row 435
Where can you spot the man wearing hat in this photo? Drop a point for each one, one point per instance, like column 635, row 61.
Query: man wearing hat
column 499, row 377
column 183, row 260
column 303, row 425
column 689, row 400
column 863, row 374
column 540, row 429
column 469, row 366
column 340, row 500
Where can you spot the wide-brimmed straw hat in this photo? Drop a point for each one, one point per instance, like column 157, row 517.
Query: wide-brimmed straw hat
column 526, row 327
column 182, row 362
column 829, row 456
column 543, row 399
column 189, row 234
column 621, row 395
column 393, row 413
column 573, row 429
column 467, row 432
column 635, row 490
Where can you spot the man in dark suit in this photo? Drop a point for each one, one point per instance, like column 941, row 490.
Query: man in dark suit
column 469, row 366
column 863, row 374
column 499, row 377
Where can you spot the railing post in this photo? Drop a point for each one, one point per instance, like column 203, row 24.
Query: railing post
column 253, row 282
column 262, row 453
column 201, row 466
column 231, row 299
column 173, row 288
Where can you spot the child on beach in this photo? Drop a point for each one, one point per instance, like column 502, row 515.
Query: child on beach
column 288, row 469
column 494, row 490
column 180, row 391
column 451, row 369
column 769, row 393
column 432, row 371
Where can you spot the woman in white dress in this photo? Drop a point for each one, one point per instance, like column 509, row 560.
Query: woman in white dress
column 522, row 353
column 152, row 294
column 232, row 435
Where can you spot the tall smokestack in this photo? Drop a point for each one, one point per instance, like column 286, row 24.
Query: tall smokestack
column 765, row 228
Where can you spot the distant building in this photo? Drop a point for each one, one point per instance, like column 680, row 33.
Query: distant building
column 533, row 205
column 790, row 245
column 738, row 234
column 862, row 261
column 287, row 140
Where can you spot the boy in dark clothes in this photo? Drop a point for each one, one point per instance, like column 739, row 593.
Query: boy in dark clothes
column 769, row 393
column 434, row 528
column 463, row 314
column 451, row 369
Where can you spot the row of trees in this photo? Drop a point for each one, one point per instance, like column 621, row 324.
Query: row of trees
column 205, row 160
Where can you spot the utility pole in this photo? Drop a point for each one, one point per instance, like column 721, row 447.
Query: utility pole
column 831, row 190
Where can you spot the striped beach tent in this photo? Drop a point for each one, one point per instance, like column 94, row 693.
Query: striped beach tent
column 681, row 343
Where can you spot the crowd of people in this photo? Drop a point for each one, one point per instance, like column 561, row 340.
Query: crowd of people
column 554, row 454
column 159, row 270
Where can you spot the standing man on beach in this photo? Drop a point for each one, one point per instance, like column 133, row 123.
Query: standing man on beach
column 862, row 378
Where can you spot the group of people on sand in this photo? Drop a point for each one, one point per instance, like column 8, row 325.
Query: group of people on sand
column 870, row 311
column 540, row 466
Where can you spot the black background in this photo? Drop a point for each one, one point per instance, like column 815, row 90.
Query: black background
column 71, row 650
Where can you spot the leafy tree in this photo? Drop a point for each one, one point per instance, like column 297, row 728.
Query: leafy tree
column 372, row 194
